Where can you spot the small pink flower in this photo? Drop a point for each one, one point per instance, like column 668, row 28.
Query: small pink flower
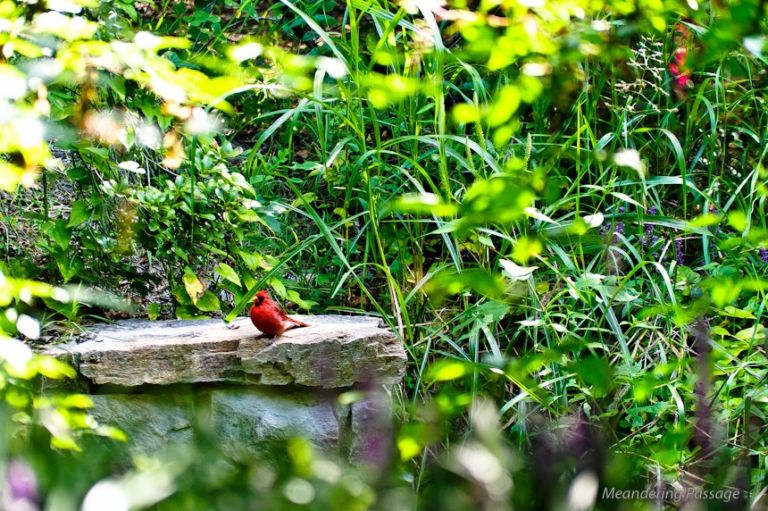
column 684, row 82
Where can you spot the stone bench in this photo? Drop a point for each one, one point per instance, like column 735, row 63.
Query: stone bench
column 157, row 380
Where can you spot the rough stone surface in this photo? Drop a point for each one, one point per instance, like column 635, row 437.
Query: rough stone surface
column 334, row 352
column 246, row 418
column 252, row 420
column 151, row 421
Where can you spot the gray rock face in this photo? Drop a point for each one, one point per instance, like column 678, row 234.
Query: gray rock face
column 151, row 421
column 252, row 392
column 245, row 418
column 334, row 352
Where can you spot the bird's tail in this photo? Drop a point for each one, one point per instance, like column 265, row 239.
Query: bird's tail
column 296, row 323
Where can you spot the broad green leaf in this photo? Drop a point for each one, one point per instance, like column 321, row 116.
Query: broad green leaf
column 749, row 334
column 69, row 266
column 504, row 106
column 188, row 312
column 481, row 281
column 735, row 312
column 54, row 369
column 595, row 372
column 153, row 311
column 498, row 200
column 254, row 261
column 192, row 284
column 296, row 298
column 737, row 220
column 79, row 214
column 226, row 272
column 60, row 233
column 208, row 302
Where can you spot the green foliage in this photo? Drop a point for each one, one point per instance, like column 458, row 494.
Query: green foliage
column 24, row 408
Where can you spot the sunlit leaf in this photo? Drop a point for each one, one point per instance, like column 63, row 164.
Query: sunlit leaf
column 408, row 447
column 446, row 370
column 81, row 401
column 208, row 302
column 54, row 369
column 153, row 311
column 65, row 27
column 14, row 82
column 192, row 284
column 65, row 442
column 226, row 272
column 465, row 113
column 425, row 203
column 705, row 220
column 526, row 248
column 737, row 220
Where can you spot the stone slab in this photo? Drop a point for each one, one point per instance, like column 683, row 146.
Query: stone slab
column 334, row 352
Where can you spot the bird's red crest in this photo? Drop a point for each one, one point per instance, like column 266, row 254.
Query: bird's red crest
column 261, row 297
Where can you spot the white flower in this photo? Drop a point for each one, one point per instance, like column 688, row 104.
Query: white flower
column 629, row 158
column 28, row 326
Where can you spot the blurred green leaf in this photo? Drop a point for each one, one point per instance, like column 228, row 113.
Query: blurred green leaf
column 446, row 370
column 425, row 203
column 481, row 281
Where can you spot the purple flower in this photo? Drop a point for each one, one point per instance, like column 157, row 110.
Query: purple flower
column 764, row 254
column 713, row 209
column 679, row 250
column 20, row 487
column 650, row 239
column 619, row 230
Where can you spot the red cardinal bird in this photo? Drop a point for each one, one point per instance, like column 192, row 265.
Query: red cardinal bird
column 269, row 317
